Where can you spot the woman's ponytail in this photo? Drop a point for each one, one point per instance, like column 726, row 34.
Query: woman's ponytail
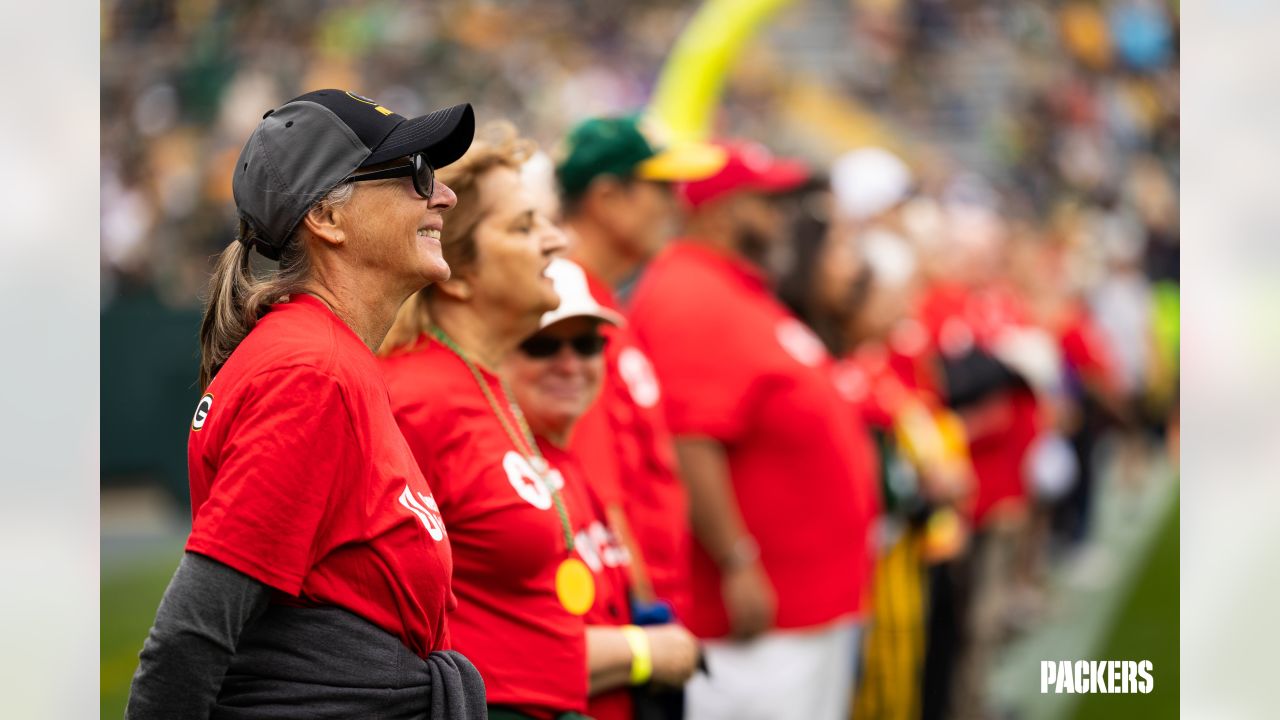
column 238, row 300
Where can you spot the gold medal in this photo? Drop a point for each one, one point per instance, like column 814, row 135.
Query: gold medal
column 575, row 586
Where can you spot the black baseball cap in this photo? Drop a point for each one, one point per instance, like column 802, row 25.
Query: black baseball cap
column 306, row 147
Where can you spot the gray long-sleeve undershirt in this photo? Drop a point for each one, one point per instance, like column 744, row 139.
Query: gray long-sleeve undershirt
column 220, row 649
column 198, row 625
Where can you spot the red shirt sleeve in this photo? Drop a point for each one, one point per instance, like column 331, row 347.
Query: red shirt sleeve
column 705, row 363
column 707, row 401
column 289, row 458
column 1087, row 350
column 594, row 442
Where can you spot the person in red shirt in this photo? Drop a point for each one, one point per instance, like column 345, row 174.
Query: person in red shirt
column 763, row 441
column 556, row 375
column 980, row 329
column 854, row 280
column 316, row 576
column 522, row 588
column 618, row 212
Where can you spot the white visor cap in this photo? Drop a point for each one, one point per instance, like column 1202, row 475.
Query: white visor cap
column 575, row 296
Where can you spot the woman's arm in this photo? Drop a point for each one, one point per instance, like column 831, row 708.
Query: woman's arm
column 198, row 625
column 673, row 653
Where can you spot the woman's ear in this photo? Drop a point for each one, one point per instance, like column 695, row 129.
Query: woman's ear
column 325, row 222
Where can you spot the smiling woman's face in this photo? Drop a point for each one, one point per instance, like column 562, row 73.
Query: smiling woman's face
column 514, row 246
column 395, row 230
column 553, row 392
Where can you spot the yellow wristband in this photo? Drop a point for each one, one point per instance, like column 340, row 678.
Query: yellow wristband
column 641, row 655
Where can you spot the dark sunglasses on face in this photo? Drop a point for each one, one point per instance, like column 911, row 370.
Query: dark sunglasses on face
column 416, row 166
column 544, row 346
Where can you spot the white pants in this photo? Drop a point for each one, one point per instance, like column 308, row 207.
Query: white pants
column 782, row 675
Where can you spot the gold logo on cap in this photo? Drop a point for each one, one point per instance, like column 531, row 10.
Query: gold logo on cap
column 367, row 101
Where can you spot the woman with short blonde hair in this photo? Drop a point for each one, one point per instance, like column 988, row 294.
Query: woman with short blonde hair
column 522, row 587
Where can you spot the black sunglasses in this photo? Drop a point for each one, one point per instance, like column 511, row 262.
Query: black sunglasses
column 417, row 167
column 545, row 346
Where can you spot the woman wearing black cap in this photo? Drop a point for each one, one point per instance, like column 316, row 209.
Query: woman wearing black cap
column 316, row 577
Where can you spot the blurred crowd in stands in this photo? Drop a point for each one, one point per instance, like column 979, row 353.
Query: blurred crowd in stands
column 1069, row 108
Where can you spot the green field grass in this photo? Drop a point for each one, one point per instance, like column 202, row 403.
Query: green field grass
column 1146, row 629
column 129, row 599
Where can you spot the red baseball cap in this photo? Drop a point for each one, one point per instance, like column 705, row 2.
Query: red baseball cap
column 749, row 167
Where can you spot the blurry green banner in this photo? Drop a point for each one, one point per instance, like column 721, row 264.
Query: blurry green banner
column 150, row 359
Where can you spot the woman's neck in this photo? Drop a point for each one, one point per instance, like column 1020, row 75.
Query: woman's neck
column 559, row 439
column 483, row 336
column 369, row 315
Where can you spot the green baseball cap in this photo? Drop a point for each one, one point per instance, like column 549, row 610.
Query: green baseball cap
column 623, row 146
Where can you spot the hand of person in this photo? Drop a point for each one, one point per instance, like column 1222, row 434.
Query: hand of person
column 675, row 654
column 947, row 480
column 749, row 599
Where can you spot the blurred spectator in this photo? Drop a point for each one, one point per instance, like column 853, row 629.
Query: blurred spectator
column 780, row 493
column 618, row 212
column 555, row 375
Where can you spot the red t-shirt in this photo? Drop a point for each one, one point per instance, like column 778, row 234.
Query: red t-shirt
column 301, row 479
column 600, row 549
column 1003, row 425
column 625, row 432
column 737, row 367
column 881, row 378
column 507, row 536
column 1086, row 348
column 867, row 381
column 865, row 414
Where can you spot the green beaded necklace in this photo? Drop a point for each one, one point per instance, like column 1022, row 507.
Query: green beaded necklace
column 533, row 454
